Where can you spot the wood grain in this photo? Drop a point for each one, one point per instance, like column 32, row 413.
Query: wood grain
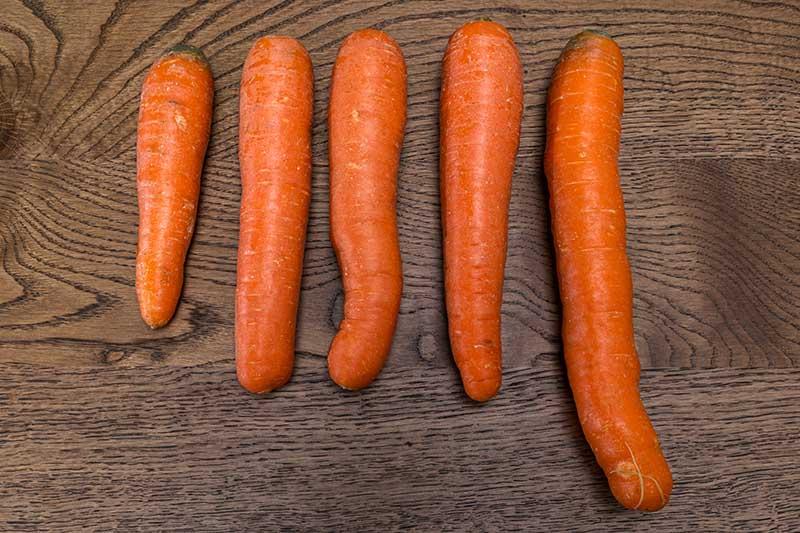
column 149, row 422
column 182, row 448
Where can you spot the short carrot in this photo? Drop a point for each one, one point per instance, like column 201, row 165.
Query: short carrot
column 481, row 112
column 275, row 113
column 174, row 124
column 583, row 133
column 366, row 122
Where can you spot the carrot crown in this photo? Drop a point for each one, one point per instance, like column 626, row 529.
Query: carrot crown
column 185, row 49
column 601, row 33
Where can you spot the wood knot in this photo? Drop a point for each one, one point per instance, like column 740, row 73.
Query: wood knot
column 112, row 356
column 428, row 347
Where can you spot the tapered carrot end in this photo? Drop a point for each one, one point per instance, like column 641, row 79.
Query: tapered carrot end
column 353, row 361
column 481, row 390
column 481, row 379
column 644, row 493
column 345, row 379
column 643, row 482
column 253, row 379
column 156, row 308
column 156, row 313
column 155, row 322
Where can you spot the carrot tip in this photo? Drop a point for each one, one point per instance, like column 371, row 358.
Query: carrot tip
column 481, row 383
column 155, row 325
column 345, row 387
column 154, row 319
column 346, row 380
column 187, row 50
column 483, row 390
column 261, row 387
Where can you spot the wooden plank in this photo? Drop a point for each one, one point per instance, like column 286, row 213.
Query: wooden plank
column 714, row 254
column 715, row 78
column 185, row 449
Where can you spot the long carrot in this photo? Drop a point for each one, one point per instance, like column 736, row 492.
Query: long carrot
column 275, row 112
column 174, row 125
column 366, row 120
column 481, row 111
column 583, row 134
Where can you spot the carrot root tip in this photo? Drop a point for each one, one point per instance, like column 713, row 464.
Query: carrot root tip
column 344, row 380
column 259, row 389
column 481, row 390
column 155, row 323
column 631, row 470
column 257, row 381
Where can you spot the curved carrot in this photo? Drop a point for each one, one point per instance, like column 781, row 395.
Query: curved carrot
column 583, row 133
column 481, row 111
column 366, row 120
column 275, row 112
column 174, row 125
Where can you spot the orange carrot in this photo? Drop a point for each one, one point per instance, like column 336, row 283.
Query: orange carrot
column 366, row 120
column 481, row 111
column 275, row 112
column 583, row 133
column 174, row 125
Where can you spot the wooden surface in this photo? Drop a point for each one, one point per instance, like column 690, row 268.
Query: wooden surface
column 107, row 425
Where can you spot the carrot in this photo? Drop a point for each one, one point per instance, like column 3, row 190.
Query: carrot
column 366, row 120
column 481, row 111
column 174, row 126
column 583, row 133
column 275, row 112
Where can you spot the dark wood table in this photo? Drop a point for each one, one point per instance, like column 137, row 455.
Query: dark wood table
column 107, row 425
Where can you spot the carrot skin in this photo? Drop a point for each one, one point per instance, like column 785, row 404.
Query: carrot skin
column 275, row 114
column 172, row 135
column 481, row 113
column 366, row 121
column 583, row 133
